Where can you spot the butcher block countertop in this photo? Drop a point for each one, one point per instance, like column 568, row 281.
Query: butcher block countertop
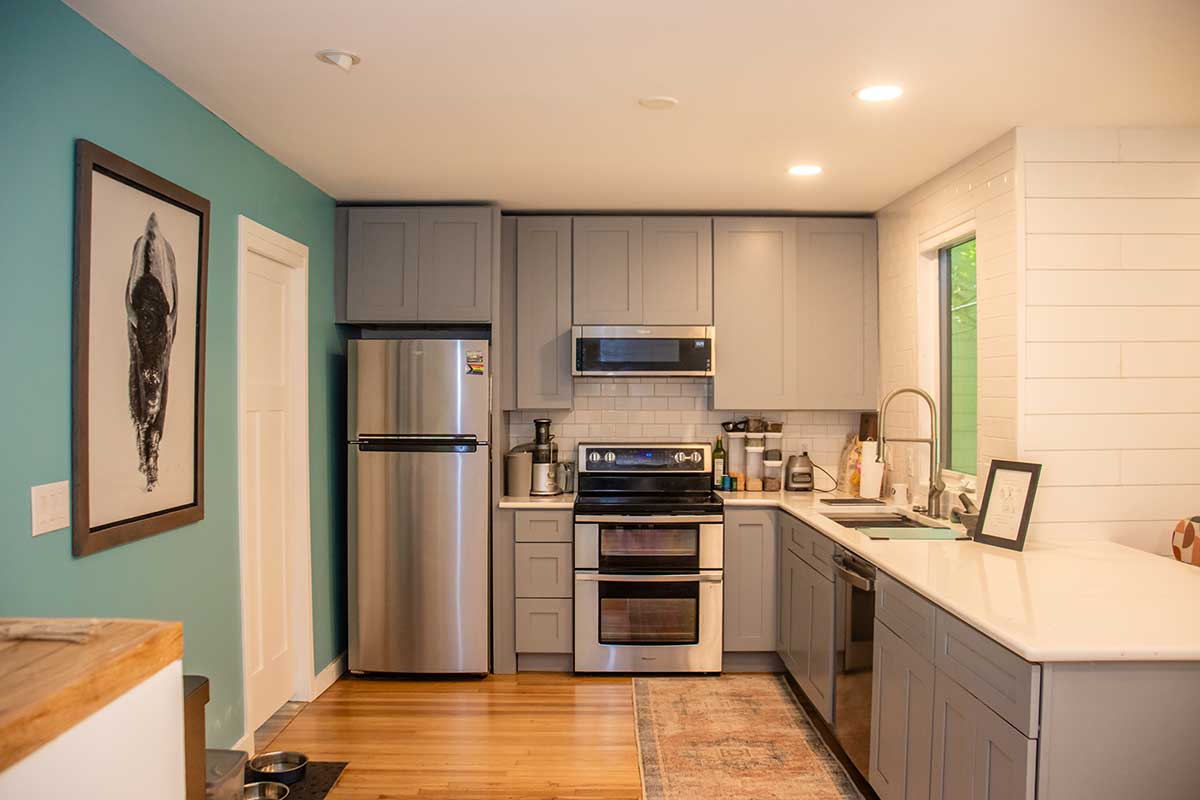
column 48, row 687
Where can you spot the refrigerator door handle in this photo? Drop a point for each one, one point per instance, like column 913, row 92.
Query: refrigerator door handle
column 418, row 444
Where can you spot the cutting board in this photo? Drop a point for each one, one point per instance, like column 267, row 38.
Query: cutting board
column 913, row 533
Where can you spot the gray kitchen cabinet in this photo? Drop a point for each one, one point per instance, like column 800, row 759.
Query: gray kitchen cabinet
column 543, row 569
column 783, row 562
column 543, row 318
column 976, row 754
column 454, row 283
column 607, row 271
column 750, row 575
column 810, row 645
column 381, row 264
column 544, row 625
column 902, row 703
column 418, row 264
column 754, row 311
column 677, row 274
column 837, row 314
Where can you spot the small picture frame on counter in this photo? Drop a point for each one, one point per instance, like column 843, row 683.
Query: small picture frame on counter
column 1008, row 504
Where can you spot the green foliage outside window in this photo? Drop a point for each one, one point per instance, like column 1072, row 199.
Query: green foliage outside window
column 962, row 318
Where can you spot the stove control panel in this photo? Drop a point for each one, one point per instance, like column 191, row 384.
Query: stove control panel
column 636, row 457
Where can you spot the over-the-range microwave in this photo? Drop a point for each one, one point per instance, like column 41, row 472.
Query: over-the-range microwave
column 631, row 350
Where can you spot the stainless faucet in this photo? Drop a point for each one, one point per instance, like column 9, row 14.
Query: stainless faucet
column 936, row 485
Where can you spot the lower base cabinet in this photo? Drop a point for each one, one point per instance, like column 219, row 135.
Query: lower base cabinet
column 977, row 755
column 806, row 626
column 544, row 625
column 902, row 700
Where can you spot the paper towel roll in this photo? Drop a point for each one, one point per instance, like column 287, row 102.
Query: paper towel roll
column 872, row 471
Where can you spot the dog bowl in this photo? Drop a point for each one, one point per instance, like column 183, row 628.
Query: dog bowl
column 280, row 766
column 265, row 790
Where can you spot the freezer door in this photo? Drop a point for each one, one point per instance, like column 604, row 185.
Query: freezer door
column 418, row 386
column 418, row 553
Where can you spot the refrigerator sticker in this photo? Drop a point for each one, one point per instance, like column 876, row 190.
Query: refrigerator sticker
column 474, row 362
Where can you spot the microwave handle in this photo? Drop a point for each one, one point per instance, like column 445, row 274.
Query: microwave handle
column 703, row 577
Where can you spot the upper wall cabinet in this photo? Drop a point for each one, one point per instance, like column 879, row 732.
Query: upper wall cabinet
column 643, row 271
column 796, row 311
column 754, row 266
column 677, row 275
column 608, row 271
column 418, row 264
column 543, row 312
column 837, row 314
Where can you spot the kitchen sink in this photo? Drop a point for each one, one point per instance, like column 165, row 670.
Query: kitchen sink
column 858, row 521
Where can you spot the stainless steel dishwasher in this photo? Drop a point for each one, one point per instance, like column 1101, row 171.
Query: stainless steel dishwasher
column 854, row 642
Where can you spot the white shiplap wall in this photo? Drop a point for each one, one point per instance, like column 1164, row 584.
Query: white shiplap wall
column 675, row 410
column 980, row 189
column 1111, row 385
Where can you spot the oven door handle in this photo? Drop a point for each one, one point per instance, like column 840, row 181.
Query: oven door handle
column 661, row 519
column 703, row 577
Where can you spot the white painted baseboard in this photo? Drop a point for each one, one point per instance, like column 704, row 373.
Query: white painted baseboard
column 328, row 676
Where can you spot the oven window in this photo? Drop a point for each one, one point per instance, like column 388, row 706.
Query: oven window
column 651, row 613
column 643, row 355
column 649, row 548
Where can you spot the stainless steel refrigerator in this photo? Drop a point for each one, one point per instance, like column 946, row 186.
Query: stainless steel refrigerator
column 418, row 505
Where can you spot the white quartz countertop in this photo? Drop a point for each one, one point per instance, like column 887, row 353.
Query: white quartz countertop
column 558, row 502
column 1085, row 601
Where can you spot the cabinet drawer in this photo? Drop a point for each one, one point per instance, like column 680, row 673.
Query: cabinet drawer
column 543, row 526
column 798, row 536
column 1005, row 682
column 544, row 625
column 910, row 616
column 820, row 552
column 543, row 570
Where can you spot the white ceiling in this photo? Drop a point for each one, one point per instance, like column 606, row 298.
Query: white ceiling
column 533, row 103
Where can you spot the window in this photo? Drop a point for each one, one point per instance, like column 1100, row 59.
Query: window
column 959, row 357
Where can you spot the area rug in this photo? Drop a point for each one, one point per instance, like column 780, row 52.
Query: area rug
column 733, row 736
column 319, row 779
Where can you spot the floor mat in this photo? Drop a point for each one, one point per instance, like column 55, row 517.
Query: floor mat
column 319, row 778
column 733, row 736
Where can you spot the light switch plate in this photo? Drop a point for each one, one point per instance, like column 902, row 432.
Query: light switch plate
column 51, row 503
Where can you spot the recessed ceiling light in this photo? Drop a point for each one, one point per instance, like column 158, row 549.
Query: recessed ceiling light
column 341, row 59
column 878, row 94
column 804, row 169
column 658, row 102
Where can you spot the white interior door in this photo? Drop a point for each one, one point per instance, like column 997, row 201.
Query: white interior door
column 273, row 469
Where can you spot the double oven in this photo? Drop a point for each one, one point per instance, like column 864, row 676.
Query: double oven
column 649, row 558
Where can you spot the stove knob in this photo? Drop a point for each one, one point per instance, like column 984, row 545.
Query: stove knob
column 695, row 457
column 594, row 457
column 610, row 457
column 680, row 457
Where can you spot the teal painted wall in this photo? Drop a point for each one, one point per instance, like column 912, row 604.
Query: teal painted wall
column 62, row 79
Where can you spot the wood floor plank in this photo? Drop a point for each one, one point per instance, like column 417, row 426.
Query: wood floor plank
column 530, row 736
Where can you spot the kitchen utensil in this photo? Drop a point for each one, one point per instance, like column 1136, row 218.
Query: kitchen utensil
column 518, row 472
column 281, row 766
column 566, row 476
column 968, row 504
column 544, row 477
column 798, row 476
column 265, row 790
column 871, row 471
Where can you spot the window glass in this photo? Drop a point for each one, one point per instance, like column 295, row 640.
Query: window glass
column 960, row 359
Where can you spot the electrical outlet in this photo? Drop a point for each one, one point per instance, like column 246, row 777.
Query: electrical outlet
column 51, row 503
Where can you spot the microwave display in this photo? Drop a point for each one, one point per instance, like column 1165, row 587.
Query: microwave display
column 643, row 355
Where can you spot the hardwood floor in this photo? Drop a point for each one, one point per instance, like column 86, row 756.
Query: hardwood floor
column 532, row 736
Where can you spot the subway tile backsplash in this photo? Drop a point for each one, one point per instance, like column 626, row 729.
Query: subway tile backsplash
column 674, row 410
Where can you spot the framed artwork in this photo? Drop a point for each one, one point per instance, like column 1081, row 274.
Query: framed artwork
column 141, row 261
column 1008, row 504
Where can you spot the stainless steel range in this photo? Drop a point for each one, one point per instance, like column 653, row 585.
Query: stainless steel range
column 649, row 558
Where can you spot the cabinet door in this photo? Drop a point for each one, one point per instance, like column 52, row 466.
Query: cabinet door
column 902, row 706
column 607, row 271
column 821, row 644
column 837, row 314
column 754, row 279
column 800, row 621
column 544, row 312
column 381, row 265
column 783, row 583
column 677, row 277
column 750, row 567
column 976, row 754
column 455, row 283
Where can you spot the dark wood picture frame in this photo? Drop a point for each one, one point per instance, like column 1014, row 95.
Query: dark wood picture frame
column 1035, row 471
column 85, row 540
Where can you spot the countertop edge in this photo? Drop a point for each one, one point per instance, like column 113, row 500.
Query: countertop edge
column 123, row 654
column 559, row 502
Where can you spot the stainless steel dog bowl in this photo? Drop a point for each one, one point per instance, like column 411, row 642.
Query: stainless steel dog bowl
column 265, row 790
column 280, row 766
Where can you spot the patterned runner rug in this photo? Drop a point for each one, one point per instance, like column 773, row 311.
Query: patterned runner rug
column 729, row 737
